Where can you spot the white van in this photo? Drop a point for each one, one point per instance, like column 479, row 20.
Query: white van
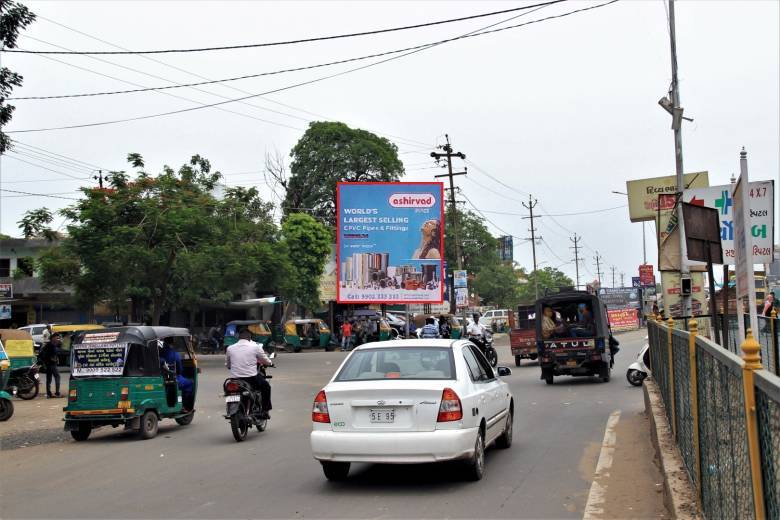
column 497, row 316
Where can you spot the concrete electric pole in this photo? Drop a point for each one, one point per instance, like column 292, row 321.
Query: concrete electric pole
column 449, row 154
column 530, row 207
column 613, row 269
column 576, row 247
column 597, row 258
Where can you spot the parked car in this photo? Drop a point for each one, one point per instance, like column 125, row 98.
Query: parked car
column 36, row 331
column 412, row 401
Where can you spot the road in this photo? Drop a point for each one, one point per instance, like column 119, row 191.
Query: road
column 199, row 471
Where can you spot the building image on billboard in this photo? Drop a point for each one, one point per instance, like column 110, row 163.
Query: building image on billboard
column 390, row 242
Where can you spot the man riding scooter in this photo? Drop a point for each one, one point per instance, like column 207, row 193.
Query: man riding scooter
column 482, row 338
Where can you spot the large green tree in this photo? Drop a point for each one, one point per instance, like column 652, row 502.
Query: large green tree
column 330, row 152
column 478, row 247
column 547, row 278
column 498, row 285
column 307, row 243
column 14, row 17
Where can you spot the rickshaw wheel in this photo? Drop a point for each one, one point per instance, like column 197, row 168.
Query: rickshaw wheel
column 184, row 420
column 6, row 409
column 82, row 433
column 297, row 348
column 149, row 425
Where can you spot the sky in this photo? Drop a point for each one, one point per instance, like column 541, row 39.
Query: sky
column 564, row 110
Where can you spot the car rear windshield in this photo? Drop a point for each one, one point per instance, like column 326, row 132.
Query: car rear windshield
column 399, row 363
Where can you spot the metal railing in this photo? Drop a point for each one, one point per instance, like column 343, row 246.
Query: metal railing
column 767, row 335
column 724, row 411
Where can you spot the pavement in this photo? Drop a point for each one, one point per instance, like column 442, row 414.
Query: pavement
column 562, row 434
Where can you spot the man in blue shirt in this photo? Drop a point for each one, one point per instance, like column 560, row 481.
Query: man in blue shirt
column 430, row 330
column 173, row 359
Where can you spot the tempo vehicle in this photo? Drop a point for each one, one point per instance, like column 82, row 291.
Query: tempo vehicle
column 118, row 379
column 412, row 401
column 570, row 350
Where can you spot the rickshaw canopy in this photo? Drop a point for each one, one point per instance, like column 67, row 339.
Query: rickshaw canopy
column 17, row 343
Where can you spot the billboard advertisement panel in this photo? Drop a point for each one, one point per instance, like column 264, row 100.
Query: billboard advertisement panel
column 643, row 194
column 623, row 319
column 390, row 242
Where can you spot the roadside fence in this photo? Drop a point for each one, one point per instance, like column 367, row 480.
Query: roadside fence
column 768, row 336
column 724, row 411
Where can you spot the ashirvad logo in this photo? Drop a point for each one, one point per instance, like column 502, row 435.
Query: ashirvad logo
column 412, row 200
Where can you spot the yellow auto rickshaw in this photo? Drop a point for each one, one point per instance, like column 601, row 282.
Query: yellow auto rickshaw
column 22, row 378
column 67, row 332
column 307, row 333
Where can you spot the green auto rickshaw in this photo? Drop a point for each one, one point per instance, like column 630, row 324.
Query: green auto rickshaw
column 6, row 405
column 23, row 376
column 261, row 332
column 119, row 377
column 309, row 333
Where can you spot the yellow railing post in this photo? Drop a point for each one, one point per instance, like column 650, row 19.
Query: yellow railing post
column 693, row 326
column 670, row 324
column 750, row 354
column 773, row 343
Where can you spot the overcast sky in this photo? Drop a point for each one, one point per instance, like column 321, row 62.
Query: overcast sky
column 565, row 109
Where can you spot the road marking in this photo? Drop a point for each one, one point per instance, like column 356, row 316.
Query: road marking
column 598, row 491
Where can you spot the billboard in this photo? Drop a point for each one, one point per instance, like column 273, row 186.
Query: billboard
column 620, row 297
column 646, row 276
column 6, row 290
column 505, row 248
column 670, row 281
column 390, row 242
column 461, row 278
column 760, row 217
column 643, row 193
column 623, row 319
column 327, row 289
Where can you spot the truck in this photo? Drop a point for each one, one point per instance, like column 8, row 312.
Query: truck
column 522, row 335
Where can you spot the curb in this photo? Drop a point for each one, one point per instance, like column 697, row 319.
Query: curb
column 679, row 495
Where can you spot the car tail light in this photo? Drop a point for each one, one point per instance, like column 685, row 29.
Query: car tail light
column 319, row 412
column 73, row 395
column 232, row 387
column 123, row 393
column 450, row 408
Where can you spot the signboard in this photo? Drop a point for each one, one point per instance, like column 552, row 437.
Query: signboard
column 461, row 278
column 759, row 217
column 462, row 297
column 643, row 193
column 646, row 276
column 6, row 291
column 743, row 250
column 327, row 288
column 670, row 280
column 635, row 282
column 390, row 242
column 702, row 233
column 620, row 297
column 5, row 311
column 623, row 319
column 505, row 248
column 99, row 359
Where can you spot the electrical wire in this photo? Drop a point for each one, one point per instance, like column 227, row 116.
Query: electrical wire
column 16, row 142
column 299, row 84
column 60, row 164
column 589, row 212
column 291, row 42
column 45, row 168
column 29, row 194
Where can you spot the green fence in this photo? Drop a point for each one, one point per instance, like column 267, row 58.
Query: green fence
column 724, row 411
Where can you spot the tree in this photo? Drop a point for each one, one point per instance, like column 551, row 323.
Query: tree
column 478, row 247
column 330, row 152
column 13, row 18
column 35, row 224
column 497, row 284
column 308, row 245
column 547, row 278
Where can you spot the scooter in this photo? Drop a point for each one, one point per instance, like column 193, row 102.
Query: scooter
column 244, row 406
column 638, row 371
column 23, row 382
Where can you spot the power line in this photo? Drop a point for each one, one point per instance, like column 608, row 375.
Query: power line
column 290, row 42
column 27, row 193
column 54, row 162
column 303, row 83
column 589, row 212
column 49, row 152
column 46, row 168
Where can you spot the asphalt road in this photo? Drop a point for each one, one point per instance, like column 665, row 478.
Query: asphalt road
column 199, row 471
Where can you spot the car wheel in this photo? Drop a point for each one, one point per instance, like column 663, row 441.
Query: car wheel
column 6, row 409
column 475, row 467
column 335, row 471
column 505, row 440
column 82, row 433
column 518, row 361
column 149, row 425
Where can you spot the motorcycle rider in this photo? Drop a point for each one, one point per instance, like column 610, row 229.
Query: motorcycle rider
column 430, row 330
column 242, row 358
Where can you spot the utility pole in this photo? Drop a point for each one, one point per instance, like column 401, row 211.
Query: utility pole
column 613, row 269
column 597, row 258
column 100, row 178
column 448, row 154
column 622, row 279
column 530, row 207
column 677, row 116
column 576, row 241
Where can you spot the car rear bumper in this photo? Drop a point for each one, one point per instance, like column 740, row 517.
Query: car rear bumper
column 393, row 447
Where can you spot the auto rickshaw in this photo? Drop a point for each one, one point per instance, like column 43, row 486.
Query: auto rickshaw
column 572, row 338
column 6, row 405
column 456, row 329
column 22, row 379
column 119, row 379
column 261, row 332
column 67, row 332
column 300, row 334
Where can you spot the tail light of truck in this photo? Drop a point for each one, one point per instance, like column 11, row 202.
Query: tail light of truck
column 450, row 408
column 319, row 412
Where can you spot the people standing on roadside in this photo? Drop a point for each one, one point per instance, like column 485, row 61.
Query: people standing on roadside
column 346, row 335
column 768, row 304
column 48, row 357
column 215, row 336
column 46, row 335
column 444, row 327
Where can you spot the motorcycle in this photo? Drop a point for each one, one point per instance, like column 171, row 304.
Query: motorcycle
column 244, row 405
column 638, row 371
column 485, row 344
column 24, row 382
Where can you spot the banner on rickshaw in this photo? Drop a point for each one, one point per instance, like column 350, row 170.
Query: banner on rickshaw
column 623, row 319
column 390, row 242
column 99, row 359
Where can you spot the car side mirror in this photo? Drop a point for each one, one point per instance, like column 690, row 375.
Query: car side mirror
column 504, row 371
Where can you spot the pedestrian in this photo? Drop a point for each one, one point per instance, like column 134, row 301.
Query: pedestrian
column 46, row 334
column 346, row 336
column 768, row 304
column 49, row 357
column 444, row 327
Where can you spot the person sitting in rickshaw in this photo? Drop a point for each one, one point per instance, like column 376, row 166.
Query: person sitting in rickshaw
column 551, row 328
column 585, row 326
column 169, row 356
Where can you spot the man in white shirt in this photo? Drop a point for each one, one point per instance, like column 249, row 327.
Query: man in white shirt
column 475, row 328
column 242, row 358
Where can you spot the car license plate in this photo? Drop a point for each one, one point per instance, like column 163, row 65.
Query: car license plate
column 232, row 398
column 571, row 363
column 382, row 415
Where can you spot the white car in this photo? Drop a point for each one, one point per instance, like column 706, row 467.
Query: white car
column 412, row 401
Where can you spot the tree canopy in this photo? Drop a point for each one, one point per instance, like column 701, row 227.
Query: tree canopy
column 14, row 17
column 498, row 285
column 331, row 152
column 547, row 278
column 478, row 247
